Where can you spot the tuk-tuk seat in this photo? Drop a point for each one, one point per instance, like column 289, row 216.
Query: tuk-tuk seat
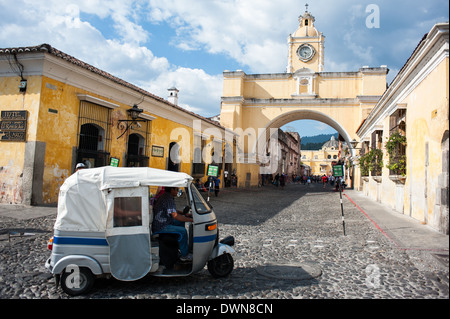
column 168, row 248
column 156, row 236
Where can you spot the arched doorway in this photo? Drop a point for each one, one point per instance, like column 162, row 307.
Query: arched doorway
column 286, row 118
column 91, row 145
column 136, row 151
column 174, row 157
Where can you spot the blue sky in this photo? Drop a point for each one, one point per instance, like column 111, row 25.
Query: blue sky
column 157, row 44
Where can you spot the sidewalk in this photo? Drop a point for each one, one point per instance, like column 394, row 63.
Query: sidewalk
column 23, row 212
column 404, row 231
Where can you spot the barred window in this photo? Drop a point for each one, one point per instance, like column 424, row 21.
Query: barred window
column 94, row 134
column 377, row 139
column 397, row 122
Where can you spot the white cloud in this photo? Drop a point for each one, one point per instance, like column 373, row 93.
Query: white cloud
column 58, row 23
column 199, row 91
column 252, row 33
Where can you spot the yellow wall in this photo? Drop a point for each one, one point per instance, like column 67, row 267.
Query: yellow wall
column 162, row 130
column 266, row 89
column 53, row 109
column 59, row 132
column 427, row 120
column 344, row 86
column 327, row 85
column 12, row 153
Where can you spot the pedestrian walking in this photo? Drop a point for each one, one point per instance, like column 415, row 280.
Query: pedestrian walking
column 276, row 180
column 282, row 181
column 234, row 180
column 216, row 186
column 324, row 180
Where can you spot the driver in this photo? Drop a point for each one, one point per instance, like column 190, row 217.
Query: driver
column 166, row 220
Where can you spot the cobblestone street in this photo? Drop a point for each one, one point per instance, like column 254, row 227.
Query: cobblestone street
column 289, row 244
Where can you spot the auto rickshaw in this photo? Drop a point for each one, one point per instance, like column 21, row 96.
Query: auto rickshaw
column 104, row 228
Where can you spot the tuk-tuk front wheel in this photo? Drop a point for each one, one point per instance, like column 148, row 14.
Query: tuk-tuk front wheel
column 221, row 266
column 77, row 282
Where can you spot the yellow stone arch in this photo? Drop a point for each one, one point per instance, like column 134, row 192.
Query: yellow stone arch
column 253, row 104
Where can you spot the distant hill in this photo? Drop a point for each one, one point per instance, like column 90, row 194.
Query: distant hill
column 315, row 143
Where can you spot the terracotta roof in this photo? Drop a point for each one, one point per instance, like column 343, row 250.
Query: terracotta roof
column 47, row 48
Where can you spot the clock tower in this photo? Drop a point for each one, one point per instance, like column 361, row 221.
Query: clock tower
column 306, row 46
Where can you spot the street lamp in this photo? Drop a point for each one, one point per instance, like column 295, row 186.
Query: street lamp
column 134, row 113
column 353, row 143
column 352, row 158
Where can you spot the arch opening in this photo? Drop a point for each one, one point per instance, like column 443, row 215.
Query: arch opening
column 292, row 116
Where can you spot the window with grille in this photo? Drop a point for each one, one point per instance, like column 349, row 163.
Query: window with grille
column 376, row 152
column 377, row 139
column 397, row 125
column 397, row 122
column 94, row 134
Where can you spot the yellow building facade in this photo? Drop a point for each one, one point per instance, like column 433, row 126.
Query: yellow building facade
column 322, row 161
column 255, row 103
column 57, row 111
column 415, row 108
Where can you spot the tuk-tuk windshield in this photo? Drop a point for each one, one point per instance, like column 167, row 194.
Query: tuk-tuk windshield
column 201, row 205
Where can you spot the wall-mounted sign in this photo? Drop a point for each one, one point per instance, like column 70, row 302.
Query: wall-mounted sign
column 114, row 162
column 13, row 126
column 157, row 151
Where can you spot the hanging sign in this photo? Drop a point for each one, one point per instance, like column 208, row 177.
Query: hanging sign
column 213, row 170
column 338, row 170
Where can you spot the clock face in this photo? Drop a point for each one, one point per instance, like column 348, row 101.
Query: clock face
column 305, row 52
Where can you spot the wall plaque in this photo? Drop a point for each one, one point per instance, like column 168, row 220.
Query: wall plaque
column 157, row 151
column 13, row 126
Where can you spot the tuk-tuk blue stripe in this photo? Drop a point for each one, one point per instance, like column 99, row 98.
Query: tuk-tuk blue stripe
column 80, row 241
column 204, row 239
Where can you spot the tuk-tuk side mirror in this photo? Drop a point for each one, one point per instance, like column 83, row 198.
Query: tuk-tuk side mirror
column 180, row 193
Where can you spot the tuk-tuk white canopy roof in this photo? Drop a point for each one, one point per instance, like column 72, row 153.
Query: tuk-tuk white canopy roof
column 119, row 177
column 82, row 205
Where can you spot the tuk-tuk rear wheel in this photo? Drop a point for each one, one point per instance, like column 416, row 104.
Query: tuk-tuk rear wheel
column 84, row 284
column 221, row 266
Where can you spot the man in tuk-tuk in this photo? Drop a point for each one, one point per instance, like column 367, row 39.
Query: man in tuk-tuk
column 167, row 219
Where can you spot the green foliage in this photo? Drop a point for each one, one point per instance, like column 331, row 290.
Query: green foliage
column 364, row 165
column 395, row 147
column 371, row 162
